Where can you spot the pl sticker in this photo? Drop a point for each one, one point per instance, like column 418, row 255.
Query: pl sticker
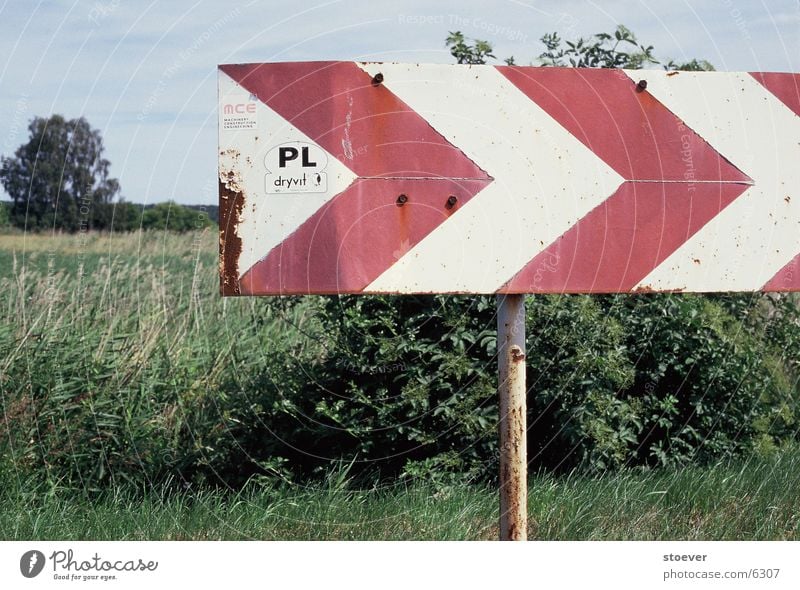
column 296, row 167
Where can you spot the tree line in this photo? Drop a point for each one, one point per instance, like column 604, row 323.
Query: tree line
column 59, row 180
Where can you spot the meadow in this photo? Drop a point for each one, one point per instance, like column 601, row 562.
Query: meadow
column 740, row 500
column 121, row 366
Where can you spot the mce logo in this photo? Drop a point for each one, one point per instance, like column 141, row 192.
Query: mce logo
column 239, row 108
column 296, row 167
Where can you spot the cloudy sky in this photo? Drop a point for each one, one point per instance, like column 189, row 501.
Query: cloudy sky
column 144, row 72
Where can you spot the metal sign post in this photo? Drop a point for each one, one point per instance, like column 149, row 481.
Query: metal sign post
column 513, row 427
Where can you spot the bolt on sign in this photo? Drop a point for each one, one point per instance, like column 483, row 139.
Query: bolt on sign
column 345, row 177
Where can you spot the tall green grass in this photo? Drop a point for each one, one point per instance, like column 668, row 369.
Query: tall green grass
column 120, row 362
column 744, row 500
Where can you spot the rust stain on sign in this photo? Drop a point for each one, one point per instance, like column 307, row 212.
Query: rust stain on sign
column 230, row 244
column 231, row 202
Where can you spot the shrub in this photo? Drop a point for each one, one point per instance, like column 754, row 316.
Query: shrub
column 174, row 217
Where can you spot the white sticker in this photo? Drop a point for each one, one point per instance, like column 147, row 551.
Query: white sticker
column 296, row 167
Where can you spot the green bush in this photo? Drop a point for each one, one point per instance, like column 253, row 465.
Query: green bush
column 172, row 216
column 118, row 217
column 407, row 386
column 5, row 214
column 707, row 379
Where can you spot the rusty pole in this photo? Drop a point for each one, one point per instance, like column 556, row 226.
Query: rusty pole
column 513, row 427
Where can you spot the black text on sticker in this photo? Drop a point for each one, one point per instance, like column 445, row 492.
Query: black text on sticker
column 296, row 167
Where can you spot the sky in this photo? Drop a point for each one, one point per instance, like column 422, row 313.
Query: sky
column 144, row 72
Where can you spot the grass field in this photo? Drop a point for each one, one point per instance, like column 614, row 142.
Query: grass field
column 746, row 500
column 138, row 306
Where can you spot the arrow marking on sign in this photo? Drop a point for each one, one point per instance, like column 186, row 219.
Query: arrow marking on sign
column 757, row 235
column 350, row 240
column 545, row 179
column 675, row 184
column 263, row 225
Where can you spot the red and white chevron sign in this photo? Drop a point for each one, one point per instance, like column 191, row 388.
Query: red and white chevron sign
column 344, row 177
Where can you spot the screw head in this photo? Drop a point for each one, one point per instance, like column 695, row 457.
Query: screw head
column 641, row 85
column 377, row 79
column 402, row 200
column 451, row 201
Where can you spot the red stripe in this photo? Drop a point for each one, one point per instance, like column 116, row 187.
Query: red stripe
column 622, row 240
column 355, row 237
column 364, row 125
column 787, row 278
column 786, row 87
column 630, row 130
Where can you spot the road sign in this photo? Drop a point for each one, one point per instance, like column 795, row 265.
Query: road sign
column 344, row 177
